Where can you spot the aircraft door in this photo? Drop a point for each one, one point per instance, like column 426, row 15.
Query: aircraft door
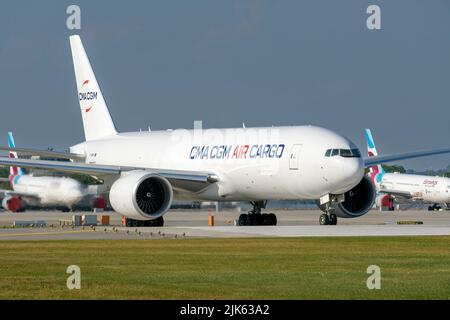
column 294, row 157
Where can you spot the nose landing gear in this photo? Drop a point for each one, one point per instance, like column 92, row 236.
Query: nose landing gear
column 256, row 218
column 328, row 218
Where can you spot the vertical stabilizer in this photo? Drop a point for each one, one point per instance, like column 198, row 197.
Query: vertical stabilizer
column 375, row 172
column 13, row 171
column 97, row 121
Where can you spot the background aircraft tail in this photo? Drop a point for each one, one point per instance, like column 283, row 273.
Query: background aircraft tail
column 97, row 121
column 13, row 171
column 376, row 171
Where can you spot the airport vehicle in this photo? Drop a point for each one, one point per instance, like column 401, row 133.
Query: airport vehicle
column 427, row 189
column 144, row 171
column 28, row 190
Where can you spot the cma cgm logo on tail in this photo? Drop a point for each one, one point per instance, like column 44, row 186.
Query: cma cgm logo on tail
column 87, row 95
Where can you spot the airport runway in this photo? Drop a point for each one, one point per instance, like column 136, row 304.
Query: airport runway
column 194, row 224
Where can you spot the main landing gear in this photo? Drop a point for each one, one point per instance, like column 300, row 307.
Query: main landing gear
column 256, row 218
column 328, row 218
column 434, row 207
column 158, row 222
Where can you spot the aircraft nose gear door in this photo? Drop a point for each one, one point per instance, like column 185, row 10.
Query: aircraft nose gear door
column 294, row 157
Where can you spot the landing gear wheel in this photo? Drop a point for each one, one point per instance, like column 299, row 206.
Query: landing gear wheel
column 333, row 219
column 242, row 219
column 256, row 218
column 128, row 222
column 264, row 219
column 272, row 219
column 324, row 220
column 158, row 222
column 434, row 207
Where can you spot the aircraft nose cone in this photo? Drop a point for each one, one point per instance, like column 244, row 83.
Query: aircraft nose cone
column 343, row 173
column 352, row 173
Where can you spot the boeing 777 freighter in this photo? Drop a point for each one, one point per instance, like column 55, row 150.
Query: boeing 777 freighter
column 144, row 171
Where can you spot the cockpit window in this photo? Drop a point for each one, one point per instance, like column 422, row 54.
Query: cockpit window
column 350, row 153
column 346, row 153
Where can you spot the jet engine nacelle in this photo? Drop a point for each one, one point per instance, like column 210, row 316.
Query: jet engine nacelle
column 358, row 201
column 12, row 204
column 141, row 195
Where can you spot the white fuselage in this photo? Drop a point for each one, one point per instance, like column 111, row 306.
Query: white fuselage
column 49, row 190
column 419, row 187
column 251, row 163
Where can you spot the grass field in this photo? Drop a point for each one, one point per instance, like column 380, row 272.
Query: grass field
column 293, row 268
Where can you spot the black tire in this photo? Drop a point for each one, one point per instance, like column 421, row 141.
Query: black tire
column 258, row 219
column 333, row 219
column 249, row 220
column 242, row 219
column 128, row 222
column 324, row 220
column 158, row 222
column 265, row 219
column 272, row 219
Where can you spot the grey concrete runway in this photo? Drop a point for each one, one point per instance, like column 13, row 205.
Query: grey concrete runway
column 192, row 224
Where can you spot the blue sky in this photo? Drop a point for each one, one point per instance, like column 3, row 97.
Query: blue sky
column 168, row 63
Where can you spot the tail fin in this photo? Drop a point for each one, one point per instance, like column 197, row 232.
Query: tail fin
column 97, row 121
column 13, row 171
column 375, row 172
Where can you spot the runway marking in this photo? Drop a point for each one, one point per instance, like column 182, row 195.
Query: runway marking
column 42, row 233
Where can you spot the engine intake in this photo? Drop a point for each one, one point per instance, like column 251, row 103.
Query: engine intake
column 12, row 204
column 141, row 195
column 358, row 201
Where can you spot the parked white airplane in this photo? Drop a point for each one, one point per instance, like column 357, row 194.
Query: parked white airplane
column 427, row 189
column 145, row 170
column 28, row 190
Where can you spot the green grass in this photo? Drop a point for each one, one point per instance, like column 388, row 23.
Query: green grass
column 293, row 268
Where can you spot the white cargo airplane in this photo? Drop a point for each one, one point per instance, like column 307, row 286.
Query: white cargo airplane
column 146, row 170
column 426, row 189
column 28, row 190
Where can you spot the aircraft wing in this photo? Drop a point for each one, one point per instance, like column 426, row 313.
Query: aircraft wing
column 370, row 161
column 192, row 181
column 45, row 153
column 406, row 195
column 20, row 194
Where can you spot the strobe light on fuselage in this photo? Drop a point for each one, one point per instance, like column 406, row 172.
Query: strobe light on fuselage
column 141, row 195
